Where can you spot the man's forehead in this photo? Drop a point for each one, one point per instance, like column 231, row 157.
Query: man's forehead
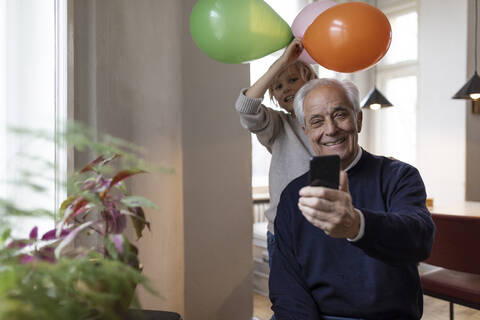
column 327, row 98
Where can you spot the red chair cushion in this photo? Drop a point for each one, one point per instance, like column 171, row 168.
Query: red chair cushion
column 449, row 283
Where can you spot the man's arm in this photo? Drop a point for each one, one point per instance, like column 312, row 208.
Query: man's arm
column 290, row 296
column 405, row 232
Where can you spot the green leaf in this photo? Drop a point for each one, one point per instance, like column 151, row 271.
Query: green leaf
column 122, row 187
column 5, row 235
column 65, row 204
column 139, row 221
column 138, row 201
column 110, row 248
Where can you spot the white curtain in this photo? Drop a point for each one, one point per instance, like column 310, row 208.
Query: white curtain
column 31, row 95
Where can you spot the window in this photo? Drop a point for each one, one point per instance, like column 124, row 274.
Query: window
column 395, row 128
column 32, row 95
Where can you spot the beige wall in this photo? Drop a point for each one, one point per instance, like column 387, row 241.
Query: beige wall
column 139, row 76
column 216, row 187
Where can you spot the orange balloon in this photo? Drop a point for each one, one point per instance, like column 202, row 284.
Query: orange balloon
column 348, row 37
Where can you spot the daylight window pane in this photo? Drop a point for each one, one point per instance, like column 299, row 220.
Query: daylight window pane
column 404, row 39
column 398, row 124
column 27, row 100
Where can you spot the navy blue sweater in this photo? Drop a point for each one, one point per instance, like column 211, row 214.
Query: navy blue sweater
column 373, row 278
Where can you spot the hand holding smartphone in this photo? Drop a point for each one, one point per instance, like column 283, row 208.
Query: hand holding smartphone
column 325, row 171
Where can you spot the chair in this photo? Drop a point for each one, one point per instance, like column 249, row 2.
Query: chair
column 456, row 251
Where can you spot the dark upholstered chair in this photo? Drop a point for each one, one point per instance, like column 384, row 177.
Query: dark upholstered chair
column 457, row 251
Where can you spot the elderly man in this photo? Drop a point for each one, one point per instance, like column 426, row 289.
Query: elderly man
column 350, row 253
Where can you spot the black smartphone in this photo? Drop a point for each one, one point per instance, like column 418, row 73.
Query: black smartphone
column 325, row 171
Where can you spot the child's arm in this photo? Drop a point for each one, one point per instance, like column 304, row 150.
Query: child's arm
column 291, row 53
column 262, row 121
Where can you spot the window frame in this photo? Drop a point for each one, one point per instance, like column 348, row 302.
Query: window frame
column 405, row 68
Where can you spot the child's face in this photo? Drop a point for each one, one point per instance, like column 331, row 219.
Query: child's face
column 286, row 86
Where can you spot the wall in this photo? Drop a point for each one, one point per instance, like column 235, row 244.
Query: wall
column 139, row 76
column 441, row 120
column 216, row 186
column 473, row 120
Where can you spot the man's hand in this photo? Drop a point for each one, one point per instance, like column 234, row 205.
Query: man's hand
column 331, row 210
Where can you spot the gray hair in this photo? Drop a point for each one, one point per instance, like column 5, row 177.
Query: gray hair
column 349, row 87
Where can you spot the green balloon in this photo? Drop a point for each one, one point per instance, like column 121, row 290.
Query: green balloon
column 236, row 31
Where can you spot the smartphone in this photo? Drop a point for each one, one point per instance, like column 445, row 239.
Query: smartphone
column 325, row 171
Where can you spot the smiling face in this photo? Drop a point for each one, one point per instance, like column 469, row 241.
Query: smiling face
column 331, row 123
column 286, row 86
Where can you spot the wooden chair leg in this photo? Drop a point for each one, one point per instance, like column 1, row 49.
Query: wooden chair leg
column 451, row 311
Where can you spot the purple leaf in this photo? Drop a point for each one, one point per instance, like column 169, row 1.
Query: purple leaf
column 87, row 185
column 34, row 233
column 115, row 222
column 17, row 244
column 24, row 259
column 117, row 240
column 52, row 234
column 70, row 237
column 46, row 254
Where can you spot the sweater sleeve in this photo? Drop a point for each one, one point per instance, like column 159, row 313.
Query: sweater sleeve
column 405, row 232
column 290, row 296
column 258, row 119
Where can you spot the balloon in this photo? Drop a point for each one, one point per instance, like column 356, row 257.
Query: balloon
column 236, row 31
column 305, row 18
column 348, row 37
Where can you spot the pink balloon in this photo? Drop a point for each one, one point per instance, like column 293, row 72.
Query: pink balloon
column 304, row 19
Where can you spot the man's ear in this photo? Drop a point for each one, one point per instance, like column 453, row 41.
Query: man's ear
column 359, row 121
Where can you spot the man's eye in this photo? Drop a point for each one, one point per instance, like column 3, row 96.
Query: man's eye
column 278, row 87
column 340, row 115
column 292, row 80
column 316, row 123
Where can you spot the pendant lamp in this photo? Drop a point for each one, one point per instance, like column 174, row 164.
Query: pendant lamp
column 375, row 100
column 471, row 89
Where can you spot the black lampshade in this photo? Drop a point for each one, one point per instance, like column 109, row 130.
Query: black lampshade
column 471, row 87
column 375, row 97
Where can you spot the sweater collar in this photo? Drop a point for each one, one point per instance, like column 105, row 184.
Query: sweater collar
column 355, row 161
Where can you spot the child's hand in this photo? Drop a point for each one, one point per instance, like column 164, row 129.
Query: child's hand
column 292, row 52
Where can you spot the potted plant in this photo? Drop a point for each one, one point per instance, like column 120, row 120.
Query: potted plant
column 48, row 276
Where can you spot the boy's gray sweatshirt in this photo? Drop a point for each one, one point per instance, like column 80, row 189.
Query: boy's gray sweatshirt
column 284, row 138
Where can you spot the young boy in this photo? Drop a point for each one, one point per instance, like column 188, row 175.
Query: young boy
column 278, row 131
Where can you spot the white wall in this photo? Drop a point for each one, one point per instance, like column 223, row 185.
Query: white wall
column 441, row 120
column 473, row 121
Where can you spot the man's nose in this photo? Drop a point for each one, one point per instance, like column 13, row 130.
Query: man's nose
column 330, row 128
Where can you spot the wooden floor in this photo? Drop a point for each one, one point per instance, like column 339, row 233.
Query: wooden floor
column 433, row 309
